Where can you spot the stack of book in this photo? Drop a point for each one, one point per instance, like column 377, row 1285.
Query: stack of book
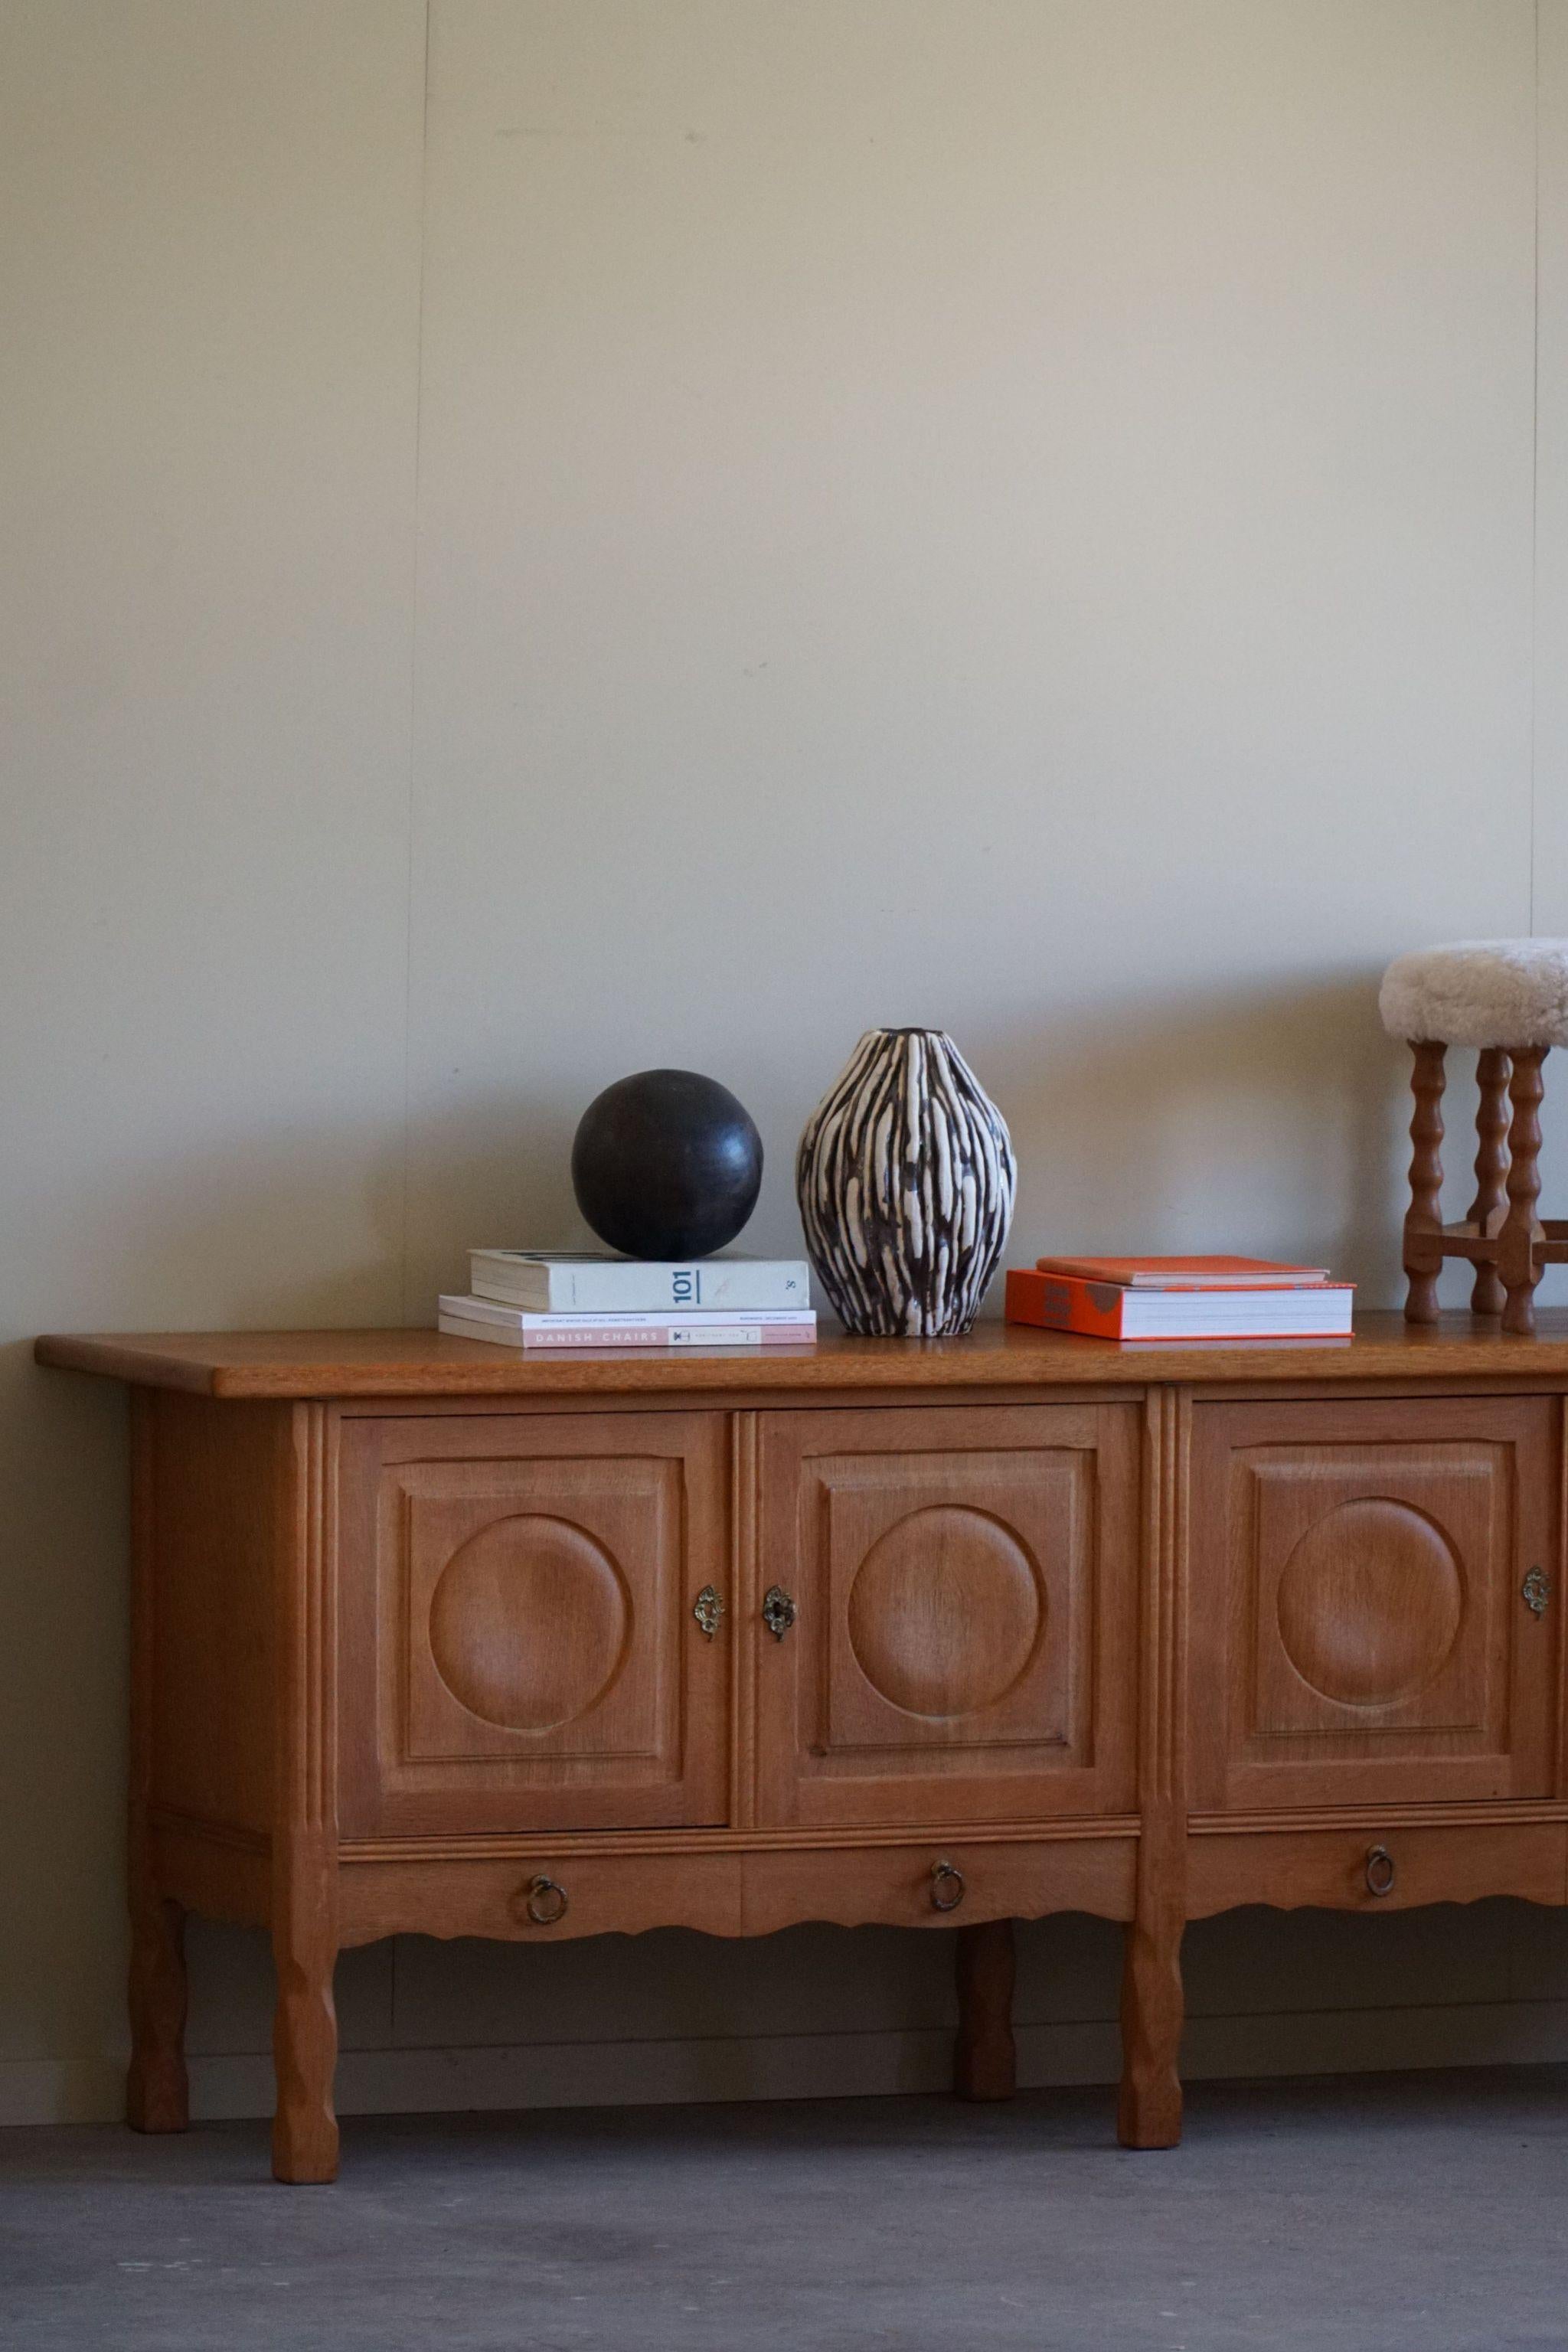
column 539, row 1298
column 1180, row 1298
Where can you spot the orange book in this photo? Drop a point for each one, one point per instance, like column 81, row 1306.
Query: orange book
column 1187, row 1273
column 1114, row 1310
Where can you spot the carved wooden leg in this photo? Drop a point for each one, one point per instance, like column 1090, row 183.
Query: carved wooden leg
column 1516, row 1261
column 305, row 2022
column 1486, row 1294
column 985, row 2062
column 157, row 2099
column 1150, row 2113
column 1423, row 1218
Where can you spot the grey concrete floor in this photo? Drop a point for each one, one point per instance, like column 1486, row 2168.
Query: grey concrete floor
column 1425, row 2212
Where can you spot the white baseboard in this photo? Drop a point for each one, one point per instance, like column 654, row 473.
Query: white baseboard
column 806, row 2066
column 61, row 2090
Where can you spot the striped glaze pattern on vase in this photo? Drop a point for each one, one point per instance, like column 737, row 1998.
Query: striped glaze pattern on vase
column 906, row 1179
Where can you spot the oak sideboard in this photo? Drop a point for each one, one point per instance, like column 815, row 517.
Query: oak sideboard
column 434, row 1637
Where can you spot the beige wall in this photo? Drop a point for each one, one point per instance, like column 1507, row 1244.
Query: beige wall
column 585, row 532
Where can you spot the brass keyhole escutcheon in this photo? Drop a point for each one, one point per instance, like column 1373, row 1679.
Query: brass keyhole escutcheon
column 778, row 1611
column 1537, row 1591
column 708, row 1610
column 1380, row 1871
column 947, row 1888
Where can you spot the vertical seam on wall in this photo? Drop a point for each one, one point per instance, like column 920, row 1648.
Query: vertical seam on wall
column 413, row 684
column 412, row 771
column 1535, row 474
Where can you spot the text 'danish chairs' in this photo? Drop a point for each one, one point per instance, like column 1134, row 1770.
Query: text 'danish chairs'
column 1508, row 998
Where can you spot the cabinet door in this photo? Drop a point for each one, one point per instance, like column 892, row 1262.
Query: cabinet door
column 517, row 1646
column 1360, row 1629
column 963, row 1645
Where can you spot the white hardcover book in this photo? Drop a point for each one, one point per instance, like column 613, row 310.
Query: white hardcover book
column 529, row 1318
column 1322, row 1312
column 582, row 1331
column 587, row 1283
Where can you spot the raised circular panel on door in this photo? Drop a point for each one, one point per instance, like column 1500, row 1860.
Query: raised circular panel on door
column 946, row 1612
column 1370, row 1602
column 528, row 1622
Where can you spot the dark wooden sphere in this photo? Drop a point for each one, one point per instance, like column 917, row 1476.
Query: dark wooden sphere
column 667, row 1164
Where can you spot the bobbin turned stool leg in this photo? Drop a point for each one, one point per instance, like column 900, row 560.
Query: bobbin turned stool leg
column 1423, row 1218
column 1487, row 1294
column 1473, row 994
column 1518, row 1260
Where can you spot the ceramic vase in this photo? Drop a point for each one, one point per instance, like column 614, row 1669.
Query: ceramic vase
column 906, row 1179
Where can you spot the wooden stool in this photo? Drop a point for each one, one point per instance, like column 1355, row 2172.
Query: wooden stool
column 1480, row 992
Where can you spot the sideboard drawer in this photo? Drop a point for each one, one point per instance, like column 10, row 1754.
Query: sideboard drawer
column 941, row 1882
column 1377, row 1869
column 518, row 1649
column 586, row 1895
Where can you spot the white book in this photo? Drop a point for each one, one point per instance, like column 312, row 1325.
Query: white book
column 565, row 1281
column 1322, row 1312
column 583, row 1332
column 529, row 1318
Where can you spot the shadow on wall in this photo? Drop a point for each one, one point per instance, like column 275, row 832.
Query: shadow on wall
column 1264, row 1118
column 1272, row 1120
column 310, row 1225
column 1269, row 1121
column 493, row 1169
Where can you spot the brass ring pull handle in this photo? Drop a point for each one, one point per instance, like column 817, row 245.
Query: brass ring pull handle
column 778, row 1611
column 546, row 1901
column 947, row 1888
column 1380, row 1871
column 1537, row 1591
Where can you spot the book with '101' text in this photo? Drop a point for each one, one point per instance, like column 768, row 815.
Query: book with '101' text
column 595, row 1283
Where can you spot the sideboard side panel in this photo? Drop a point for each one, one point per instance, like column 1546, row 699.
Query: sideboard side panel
column 157, row 2093
column 219, row 1478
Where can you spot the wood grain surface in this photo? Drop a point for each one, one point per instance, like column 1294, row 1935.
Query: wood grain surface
column 345, row 1365
column 985, row 2059
column 515, row 1603
column 965, row 1585
column 1145, row 1632
column 1357, row 1622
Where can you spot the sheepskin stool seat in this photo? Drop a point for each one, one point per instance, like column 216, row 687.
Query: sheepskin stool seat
column 1509, row 998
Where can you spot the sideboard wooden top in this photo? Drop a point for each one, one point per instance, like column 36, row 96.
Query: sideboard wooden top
column 349, row 1364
